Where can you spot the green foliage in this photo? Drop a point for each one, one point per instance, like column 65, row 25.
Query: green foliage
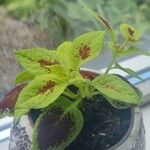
column 2, row 1
column 54, row 70
column 88, row 46
column 49, row 74
column 21, row 9
column 65, row 51
column 58, row 118
column 115, row 88
column 40, row 93
column 37, row 61
column 82, row 49
column 129, row 33
column 24, row 76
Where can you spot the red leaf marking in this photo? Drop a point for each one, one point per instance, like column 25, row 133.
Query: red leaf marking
column 84, row 51
column 10, row 99
column 109, row 86
column 130, row 31
column 49, row 86
column 44, row 63
column 88, row 75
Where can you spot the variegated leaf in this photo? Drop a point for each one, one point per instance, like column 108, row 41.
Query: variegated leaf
column 123, row 105
column 37, row 61
column 129, row 33
column 88, row 46
column 56, row 128
column 24, row 76
column 115, row 88
column 41, row 92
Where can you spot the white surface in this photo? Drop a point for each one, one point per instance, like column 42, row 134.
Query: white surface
column 146, row 117
column 5, row 121
column 137, row 63
column 4, row 134
column 4, row 145
column 4, row 127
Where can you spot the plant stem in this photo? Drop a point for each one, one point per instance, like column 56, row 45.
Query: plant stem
column 95, row 93
column 68, row 95
column 73, row 105
column 71, row 93
column 110, row 66
column 123, row 45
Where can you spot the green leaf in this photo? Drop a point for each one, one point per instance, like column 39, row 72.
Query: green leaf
column 24, row 76
column 131, row 51
column 129, row 33
column 61, row 72
column 67, row 57
column 129, row 71
column 115, row 88
column 123, row 105
column 85, row 48
column 58, row 126
column 37, row 61
column 119, row 104
column 102, row 21
column 88, row 46
column 41, row 92
column 96, row 16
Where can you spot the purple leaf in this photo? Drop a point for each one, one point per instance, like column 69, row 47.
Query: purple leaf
column 9, row 101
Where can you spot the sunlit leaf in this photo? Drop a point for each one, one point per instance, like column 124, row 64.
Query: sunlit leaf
column 83, row 49
column 129, row 33
column 67, row 57
column 123, row 105
column 56, row 128
column 88, row 46
column 37, row 61
column 115, row 88
column 119, row 104
column 59, row 71
column 24, row 76
column 41, row 92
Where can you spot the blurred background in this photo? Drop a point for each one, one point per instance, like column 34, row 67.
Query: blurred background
column 47, row 23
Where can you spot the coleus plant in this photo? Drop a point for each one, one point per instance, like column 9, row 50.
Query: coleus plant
column 44, row 84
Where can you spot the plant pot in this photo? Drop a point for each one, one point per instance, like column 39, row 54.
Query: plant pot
column 127, row 130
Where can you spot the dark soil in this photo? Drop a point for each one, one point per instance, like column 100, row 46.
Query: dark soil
column 104, row 125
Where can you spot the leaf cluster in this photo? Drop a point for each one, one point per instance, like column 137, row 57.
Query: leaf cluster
column 49, row 73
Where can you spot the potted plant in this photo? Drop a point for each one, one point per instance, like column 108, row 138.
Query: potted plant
column 57, row 105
